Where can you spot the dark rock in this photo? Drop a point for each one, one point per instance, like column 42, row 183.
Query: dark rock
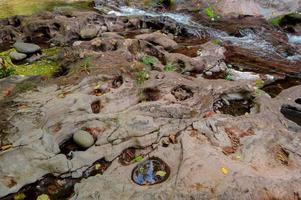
column 26, row 48
column 17, row 56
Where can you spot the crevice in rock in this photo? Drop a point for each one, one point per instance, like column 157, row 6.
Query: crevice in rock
column 291, row 113
column 96, row 107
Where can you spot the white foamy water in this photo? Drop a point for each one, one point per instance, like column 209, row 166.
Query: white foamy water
column 128, row 11
column 294, row 39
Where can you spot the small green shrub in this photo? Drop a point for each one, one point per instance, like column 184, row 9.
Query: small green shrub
column 169, row 67
column 141, row 77
column 228, row 77
column 148, row 60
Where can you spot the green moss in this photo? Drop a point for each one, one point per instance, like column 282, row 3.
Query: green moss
column 276, row 21
column 44, row 67
column 210, row 13
column 25, row 86
column 20, row 7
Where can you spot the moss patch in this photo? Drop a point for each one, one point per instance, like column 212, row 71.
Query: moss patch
column 29, row 7
column 44, row 67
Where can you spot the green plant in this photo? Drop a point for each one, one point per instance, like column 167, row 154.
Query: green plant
column 148, row 60
column 169, row 67
column 6, row 71
column 216, row 42
column 259, row 83
column 167, row 3
column 228, row 77
column 210, row 13
column 141, row 77
column 276, row 21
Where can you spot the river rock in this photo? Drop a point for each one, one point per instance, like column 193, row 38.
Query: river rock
column 159, row 39
column 26, row 48
column 89, row 32
column 17, row 56
column 83, row 139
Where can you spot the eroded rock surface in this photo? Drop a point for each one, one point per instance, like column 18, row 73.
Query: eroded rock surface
column 139, row 99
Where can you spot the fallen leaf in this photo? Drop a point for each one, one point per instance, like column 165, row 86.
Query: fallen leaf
column 161, row 173
column 97, row 166
column 6, row 147
column 138, row 158
column 19, row 196
column 224, row 171
column 43, row 197
column 173, row 139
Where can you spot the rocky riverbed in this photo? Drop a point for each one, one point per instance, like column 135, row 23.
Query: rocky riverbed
column 152, row 100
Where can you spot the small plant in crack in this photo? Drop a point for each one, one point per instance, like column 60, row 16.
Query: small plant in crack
column 86, row 64
column 210, row 13
column 229, row 77
column 148, row 60
column 141, row 77
column 169, row 67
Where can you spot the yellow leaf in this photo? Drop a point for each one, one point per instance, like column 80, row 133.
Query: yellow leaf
column 224, row 171
column 161, row 173
column 97, row 166
column 19, row 196
column 43, row 197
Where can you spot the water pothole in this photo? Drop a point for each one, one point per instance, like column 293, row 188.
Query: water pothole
column 182, row 93
column 151, row 94
column 233, row 107
column 117, row 82
column 128, row 156
column 98, row 167
column 277, row 87
column 291, row 113
column 150, row 172
column 298, row 101
column 96, row 107
column 54, row 187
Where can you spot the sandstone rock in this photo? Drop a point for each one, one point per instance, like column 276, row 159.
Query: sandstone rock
column 26, row 48
column 159, row 39
column 83, row 139
column 89, row 32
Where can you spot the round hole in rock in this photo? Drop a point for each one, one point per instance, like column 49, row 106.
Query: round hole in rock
column 151, row 94
column 117, row 82
column 234, row 107
column 98, row 167
column 127, row 156
column 54, row 187
column 96, row 107
column 298, row 101
column 150, row 172
column 182, row 92
column 291, row 113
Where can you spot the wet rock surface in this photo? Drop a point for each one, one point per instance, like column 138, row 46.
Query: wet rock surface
column 175, row 110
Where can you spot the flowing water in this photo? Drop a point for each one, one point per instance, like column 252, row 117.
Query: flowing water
column 28, row 7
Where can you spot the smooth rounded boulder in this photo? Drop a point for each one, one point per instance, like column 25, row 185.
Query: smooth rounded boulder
column 83, row 139
column 17, row 56
column 26, row 48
